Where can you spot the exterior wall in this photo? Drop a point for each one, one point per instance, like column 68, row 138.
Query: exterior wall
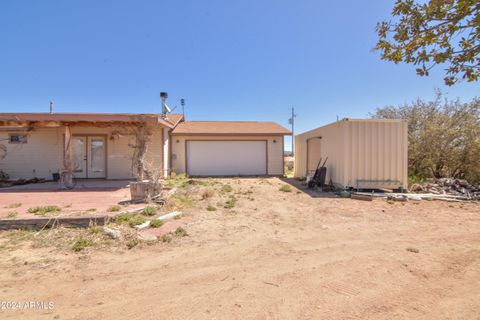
column 275, row 150
column 373, row 150
column 42, row 155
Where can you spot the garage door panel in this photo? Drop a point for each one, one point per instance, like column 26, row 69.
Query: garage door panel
column 226, row 158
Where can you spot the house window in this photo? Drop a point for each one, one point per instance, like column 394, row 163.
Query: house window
column 18, row 138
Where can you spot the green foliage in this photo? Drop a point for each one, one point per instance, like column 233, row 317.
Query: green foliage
column 230, row 203
column 443, row 137
column 12, row 214
column 132, row 243
column 81, row 244
column 136, row 219
column 123, row 217
column 41, row 211
column 211, row 208
column 434, row 32
column 285, row 188
column 166, row 238
column 180, row 232
column 114, row 208
column 149, row 211
column 227, row 188
column 156, row 223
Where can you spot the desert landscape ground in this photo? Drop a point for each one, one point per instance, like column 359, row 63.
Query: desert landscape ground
column 271, row 255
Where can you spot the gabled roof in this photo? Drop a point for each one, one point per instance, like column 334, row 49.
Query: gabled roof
column 171, row 120
column 229, row 128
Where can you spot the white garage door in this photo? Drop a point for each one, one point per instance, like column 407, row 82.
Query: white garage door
column 226, row 158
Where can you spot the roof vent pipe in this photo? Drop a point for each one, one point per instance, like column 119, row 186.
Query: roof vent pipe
column 165, row 108
column 51, row 106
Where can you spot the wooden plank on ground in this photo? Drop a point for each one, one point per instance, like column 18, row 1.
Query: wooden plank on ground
column 39, row 223
column 362, row 197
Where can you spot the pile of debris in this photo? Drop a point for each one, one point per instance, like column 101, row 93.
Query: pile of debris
column 457, row 188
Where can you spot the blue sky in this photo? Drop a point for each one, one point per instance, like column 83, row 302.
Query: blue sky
column 230, row 60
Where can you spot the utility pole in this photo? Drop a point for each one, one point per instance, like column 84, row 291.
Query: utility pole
column 292, row 122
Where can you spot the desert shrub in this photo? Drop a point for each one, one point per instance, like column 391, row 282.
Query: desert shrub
column 114, row 208
column 156, row 223
column 285, row 188
column 207, row 193
column 43, row 210
column 230, row 203
column 132, row 243
column 81, row 244
column 180, row 232
column 227, row 188
column 149, row 211
column 211, row 208
column 136, row 219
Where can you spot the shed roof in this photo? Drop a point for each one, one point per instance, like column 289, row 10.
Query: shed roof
column 229, row 128
column 171, row 120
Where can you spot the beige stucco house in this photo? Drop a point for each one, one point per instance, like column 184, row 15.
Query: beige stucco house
column 103, row 145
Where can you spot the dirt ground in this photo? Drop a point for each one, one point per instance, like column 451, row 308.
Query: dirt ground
column 274, row 255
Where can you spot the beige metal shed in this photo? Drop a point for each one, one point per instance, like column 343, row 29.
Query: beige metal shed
column 362, row 153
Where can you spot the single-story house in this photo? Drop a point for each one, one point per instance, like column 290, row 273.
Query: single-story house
column 103, row 145
column 362, row 153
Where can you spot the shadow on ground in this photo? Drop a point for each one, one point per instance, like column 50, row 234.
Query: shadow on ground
column 314, row 193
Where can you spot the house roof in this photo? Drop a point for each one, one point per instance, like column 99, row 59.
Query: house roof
column 171, row 120
column 229, row 128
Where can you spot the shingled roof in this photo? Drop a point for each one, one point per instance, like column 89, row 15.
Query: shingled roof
column 229, row 128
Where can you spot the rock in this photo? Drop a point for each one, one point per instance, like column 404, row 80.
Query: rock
column 144, row 225
column 112, row 233
column 168, row 216
column 146, row 236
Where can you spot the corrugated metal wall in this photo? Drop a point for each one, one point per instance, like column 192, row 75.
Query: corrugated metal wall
column 366, row 153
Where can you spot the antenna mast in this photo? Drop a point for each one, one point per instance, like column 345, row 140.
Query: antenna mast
column 182, row 103
column 292, row 122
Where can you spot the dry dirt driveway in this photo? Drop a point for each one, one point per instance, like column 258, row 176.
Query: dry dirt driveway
column 275, row 255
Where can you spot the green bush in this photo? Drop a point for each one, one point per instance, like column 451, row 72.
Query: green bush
column 149, row 211
column 81, row 244
column 227, row 188
column 114, row 208
column 285, row 188
column 41, row 211
column 180, row 232
column 136, row 219
column 156, row 223
column 211, row 208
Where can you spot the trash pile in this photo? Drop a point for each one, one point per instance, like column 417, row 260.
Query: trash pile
column 458, row 188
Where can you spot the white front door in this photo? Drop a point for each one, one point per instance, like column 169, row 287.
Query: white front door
column 226, row 158
column 89, row 154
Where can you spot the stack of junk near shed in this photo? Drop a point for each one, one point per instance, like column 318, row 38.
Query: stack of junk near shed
column 362, row 154
column 458, row 189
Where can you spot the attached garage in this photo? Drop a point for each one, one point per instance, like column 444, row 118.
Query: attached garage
column 362, row 153
column 210, row 148
column 226, row 158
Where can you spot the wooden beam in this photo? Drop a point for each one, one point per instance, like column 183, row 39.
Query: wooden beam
column 40, row 223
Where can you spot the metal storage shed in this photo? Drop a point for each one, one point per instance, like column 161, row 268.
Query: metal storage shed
column 362, row 153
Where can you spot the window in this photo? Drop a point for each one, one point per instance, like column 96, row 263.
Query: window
column 18, row 138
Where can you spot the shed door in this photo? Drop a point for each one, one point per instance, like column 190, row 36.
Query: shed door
column 313, row 154
column 226, row 158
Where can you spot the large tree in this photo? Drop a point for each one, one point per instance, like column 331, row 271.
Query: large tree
column 444, row 137
column 431, row 33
